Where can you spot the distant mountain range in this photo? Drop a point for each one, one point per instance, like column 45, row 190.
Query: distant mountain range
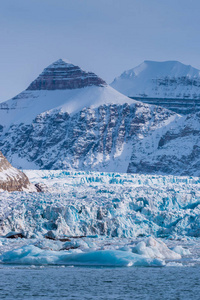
column 71, row 119
column 170, row 84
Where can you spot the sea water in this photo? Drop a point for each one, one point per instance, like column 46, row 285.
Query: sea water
column 31, row 282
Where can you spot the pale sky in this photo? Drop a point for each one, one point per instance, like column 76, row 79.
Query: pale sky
column 102, row 36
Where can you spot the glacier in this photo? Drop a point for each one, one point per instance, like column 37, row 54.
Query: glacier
column 111, row 204
column 105, row 219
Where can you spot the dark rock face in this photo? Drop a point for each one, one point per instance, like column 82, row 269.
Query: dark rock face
column 177, row 152
column 183, row 106
column 12, row 179
column 62, row 75
column 101, row 139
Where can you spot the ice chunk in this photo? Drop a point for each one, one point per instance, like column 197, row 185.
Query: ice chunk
column 32, row 255
column 155, row 249
column 182, row 251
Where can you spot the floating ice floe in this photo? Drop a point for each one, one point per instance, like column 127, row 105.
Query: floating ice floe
column 149, row 252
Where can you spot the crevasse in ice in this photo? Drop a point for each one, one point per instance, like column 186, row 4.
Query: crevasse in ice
column 109, row 204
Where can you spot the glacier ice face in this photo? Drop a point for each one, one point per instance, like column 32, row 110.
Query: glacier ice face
column 101, row 219
column 108, row 204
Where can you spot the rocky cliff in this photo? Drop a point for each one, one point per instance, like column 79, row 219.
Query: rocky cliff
column 12, row 179
column 177, row 152
column 102, row 138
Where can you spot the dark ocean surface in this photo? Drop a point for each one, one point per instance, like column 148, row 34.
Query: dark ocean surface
column 25, row 282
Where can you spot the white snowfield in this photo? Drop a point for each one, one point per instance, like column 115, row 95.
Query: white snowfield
column 168, row 79
column 25, row 107
column 110, row 219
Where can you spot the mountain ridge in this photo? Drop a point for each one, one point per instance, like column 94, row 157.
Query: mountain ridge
column 157, row 82
column 95, row 128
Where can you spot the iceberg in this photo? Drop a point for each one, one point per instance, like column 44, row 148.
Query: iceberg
column 146, row 253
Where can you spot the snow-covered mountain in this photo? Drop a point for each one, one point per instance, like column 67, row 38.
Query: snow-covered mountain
column 68, row 118
column 178, row 151
column 12, row 179
column 71, row 119
column 170, row 84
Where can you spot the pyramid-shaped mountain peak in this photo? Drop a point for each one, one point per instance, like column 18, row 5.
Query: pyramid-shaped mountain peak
column 61, row 63
column 63, row 75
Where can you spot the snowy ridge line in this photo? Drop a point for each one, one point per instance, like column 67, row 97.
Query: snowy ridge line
column 159, row 80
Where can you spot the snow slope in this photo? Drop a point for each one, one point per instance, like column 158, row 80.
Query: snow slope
column 162, row 81
column 61, row 86
column 25, row 107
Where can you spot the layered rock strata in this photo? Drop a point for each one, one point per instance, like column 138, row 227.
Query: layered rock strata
column 62, row 75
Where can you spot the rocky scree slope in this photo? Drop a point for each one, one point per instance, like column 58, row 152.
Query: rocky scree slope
column 66, row 120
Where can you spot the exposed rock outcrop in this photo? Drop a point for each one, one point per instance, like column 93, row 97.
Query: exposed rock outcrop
column 101, row 139
column 177, row 152
column 12, row 179
column 62, row 75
